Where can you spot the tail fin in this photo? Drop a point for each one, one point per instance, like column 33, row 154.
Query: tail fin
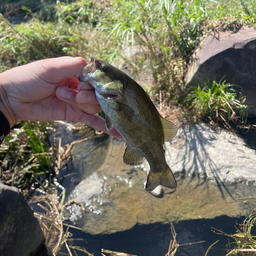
column 165, row 178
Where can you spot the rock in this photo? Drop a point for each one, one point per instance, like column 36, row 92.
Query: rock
column 132, row 58
column 227, row 55
column 219, row 155
column 158, row 191
column 214, row 170
column 84, row 192
column 20, row 233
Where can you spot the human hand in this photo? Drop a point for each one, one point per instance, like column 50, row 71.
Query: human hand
column 49, row 90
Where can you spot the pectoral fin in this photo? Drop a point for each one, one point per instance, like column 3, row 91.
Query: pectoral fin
column 132, row 157
column 164, row 178
column 108, row 123
column 126, row 109
column 169, row 128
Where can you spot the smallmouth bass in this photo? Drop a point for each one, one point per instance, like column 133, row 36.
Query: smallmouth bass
column 128, row 108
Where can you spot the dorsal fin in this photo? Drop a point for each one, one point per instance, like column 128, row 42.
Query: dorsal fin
column 169, row 128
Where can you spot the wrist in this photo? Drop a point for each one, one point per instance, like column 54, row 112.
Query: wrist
column 5, row 107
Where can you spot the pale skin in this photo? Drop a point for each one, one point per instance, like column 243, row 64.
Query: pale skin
column 48, row 90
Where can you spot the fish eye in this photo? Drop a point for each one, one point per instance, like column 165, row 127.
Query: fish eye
column 103, row 68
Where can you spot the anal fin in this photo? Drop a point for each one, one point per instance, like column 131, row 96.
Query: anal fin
column 132, row 157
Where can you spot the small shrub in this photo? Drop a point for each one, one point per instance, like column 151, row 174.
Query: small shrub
column 218, row 102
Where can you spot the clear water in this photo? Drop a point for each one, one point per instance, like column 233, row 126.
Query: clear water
column 194, row 208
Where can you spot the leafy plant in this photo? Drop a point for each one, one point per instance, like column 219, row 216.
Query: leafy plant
column 84, row 11
column 38, row 144
column 142, row 24
column 218, row 102
column 26, row 157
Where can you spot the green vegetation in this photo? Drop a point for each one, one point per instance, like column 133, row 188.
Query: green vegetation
column 245, row 241
column 218, row 103
column 165, row 32
column 29, row 160
column 26, row 159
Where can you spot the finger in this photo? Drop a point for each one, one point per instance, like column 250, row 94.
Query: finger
column 98, row 123
column 69, row 96
column 86, row 97
column 83, row 86
column 66, row 94
column 56, row 70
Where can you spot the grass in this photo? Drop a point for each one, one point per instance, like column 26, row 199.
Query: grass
column 27, row 163
column 29, row 160
column 164, row 32
column 167, row 32
column 39, row 39
column 166, row 35
column 218, row 102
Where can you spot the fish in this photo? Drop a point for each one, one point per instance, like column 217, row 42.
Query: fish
column 131, row 112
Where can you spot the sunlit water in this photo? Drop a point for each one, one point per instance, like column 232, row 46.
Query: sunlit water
column 122, row 216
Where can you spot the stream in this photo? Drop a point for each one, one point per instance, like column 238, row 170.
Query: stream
column 121, row 216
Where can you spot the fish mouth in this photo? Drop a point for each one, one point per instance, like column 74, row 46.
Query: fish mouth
column 107, row 96
column 88, row 69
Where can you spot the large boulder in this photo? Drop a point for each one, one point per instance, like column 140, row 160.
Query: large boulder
column 20, row 233
column 227, row 55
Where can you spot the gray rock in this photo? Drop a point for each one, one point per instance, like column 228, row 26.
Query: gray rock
column 133, row 57
column 219, row 155
column 84, row 192
column 229, row 55
column 211, row 168
column 20, row 233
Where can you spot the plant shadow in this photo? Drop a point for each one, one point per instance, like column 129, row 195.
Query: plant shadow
column 194, row 156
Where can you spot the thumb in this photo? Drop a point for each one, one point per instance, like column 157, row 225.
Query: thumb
column 57, row 69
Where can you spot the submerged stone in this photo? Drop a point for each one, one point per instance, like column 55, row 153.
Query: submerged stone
column 208, row 166
column 202, row 151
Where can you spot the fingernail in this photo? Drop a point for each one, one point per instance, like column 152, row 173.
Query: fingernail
column 64, row 93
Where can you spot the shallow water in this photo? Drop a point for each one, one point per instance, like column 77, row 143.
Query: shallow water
column 122, row 216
